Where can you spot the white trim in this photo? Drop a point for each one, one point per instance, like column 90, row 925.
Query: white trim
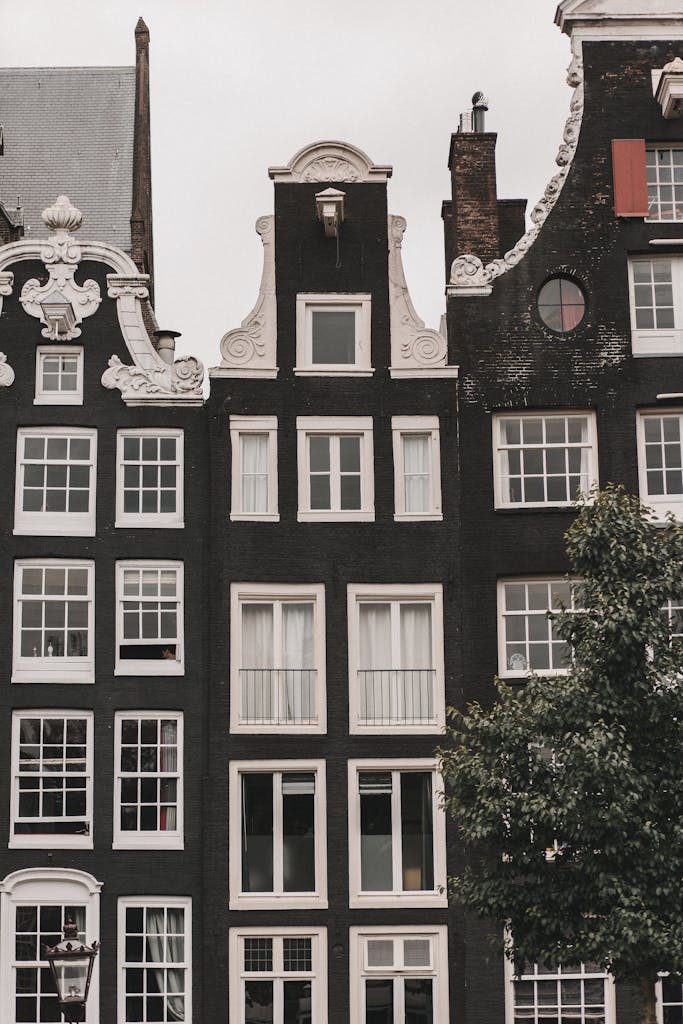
column 398, row 898
column 241, row 426
column 143, row 666
column 277, row 593
column 429, row 593
column 277, row 900
column 330, row 160
column 403, row 426
column 151, row 520
column 335, row 427
column 523, row 673
column 55, row 524
column 657, row 341
column 168, row 840
column 306, row 304
column 184, row 902
column 53, row 670
column 510, row 978
column 660, row 504
column 59, row 397
column 47, row 886
column 437, row 971
column 50, row 840
column 318, row 938
column 591, row 446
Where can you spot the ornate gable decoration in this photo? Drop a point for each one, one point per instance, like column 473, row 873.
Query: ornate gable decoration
column 62, row 305
column 620, row 17
column 330, row 161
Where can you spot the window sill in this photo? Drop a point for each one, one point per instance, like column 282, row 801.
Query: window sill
column 54, row 528
column 245, row 517
column 318, row 729
column 333, row 371
column 268, row 901
column 522, row 676
column 399, row 899
column 150, row 668
column 151, row 841
column 150, row 522
column 424, row 517
column 396, row 728
column 657, row 343
column 61, row 674
column 50, row 842
column 55, row 400
column 335, row 517
column 660, row 510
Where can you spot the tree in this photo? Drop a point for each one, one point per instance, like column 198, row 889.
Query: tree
column 567, row 791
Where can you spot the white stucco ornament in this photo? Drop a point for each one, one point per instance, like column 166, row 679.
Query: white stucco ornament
column 6, row 372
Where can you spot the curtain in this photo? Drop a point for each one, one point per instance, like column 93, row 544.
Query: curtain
column 254, row 454
column 374, row 661
column 416, row 472
column 257, row 661
column 168, row 762
column 415, row 695
column 169, row 980
column 297, row 661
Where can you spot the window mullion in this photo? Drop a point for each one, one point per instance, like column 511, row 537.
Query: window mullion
column 335, row 475
column 396, row 832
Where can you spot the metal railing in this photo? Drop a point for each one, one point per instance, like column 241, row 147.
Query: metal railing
column 278, row 696
column 396, row 696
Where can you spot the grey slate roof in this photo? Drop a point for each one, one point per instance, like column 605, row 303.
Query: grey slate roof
column 69, row 131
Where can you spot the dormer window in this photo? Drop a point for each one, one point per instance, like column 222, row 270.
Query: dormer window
column 333, row 335
column 664, row 183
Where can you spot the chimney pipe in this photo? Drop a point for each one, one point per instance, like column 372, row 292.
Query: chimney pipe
column 480, row 104
column 166, row 345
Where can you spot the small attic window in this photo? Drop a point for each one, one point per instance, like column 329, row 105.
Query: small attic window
column 561, row 304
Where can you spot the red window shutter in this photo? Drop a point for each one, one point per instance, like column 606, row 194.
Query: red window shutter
column 630, row 181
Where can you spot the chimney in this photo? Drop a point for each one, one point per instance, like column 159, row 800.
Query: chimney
column 471, row 218
column 141, row 212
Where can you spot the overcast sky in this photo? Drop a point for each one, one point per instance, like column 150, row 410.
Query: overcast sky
column 238, row 85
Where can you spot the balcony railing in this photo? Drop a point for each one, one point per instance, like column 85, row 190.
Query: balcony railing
column 396, row 696
column 278, row 696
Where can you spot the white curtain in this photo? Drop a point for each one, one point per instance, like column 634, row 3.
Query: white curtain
column 168, row 762
column 374, row 661
column 416, row 473
column 257, row 661
column 416, row 694
column 298, row 661
column 170, row 981
column 254, row 455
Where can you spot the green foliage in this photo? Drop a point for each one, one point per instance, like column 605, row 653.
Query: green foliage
column 592, row 759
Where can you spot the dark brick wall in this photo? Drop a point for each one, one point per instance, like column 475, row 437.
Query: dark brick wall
column 123, row 872
column 472, row 163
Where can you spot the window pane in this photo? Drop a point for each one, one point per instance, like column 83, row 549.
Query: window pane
column 379, row 1001
column 376, row 833
column 298, row 831
column 258, row 1002
column 257, row 832
column 333, row 337
column 416, row 831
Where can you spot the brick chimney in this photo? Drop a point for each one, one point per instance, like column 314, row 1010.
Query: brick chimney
column 141, row 212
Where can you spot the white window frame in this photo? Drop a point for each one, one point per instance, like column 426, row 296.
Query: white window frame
column 151, row 520
column 53, row 670
column 653, row 341
column 243, row 426
column 44, row 397
column 653, row 147
column 278, row 594
column 398, row 898
column 55, row 524
column 510, row 978
column 318, row 937
column 306, row 304
column 396, row 593
column 438, row 971
column 659, row 996
column 143, row 666
column 240, row 900
column 49, row 841
column 124, row 902
column 166, row 840
column 499, row 447
column 336, row 426
column 503, row 671
column 660, row 504
column 46, row 887
column 404, row 426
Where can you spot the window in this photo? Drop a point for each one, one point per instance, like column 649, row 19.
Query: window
column 527, row 638
column 336, row 479
column 282, row 976
column 333, row 335
column 55, row 481
column 149, row 622
column 664, row 183
column 397, row 836
column 51, row 779
column 399, row 975
column 148, row 800
column 417, row 467
column 278, row 657
column 59, row 375
column 669, row 991
column 35, row 903
column 660, row 461
column 543, row 459
column 53, row 622
column 278, row 813
column 155, row 959
column 396, row 670
column 656, row 289
column 149, row 478
column 561, row 304
column 542, row 996
column 254, row 468
column 674, row 614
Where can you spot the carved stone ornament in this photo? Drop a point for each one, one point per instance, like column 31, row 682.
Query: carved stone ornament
column 416, row 350
column 250, row 350
column 6, row 372
column 330, row 161
column 468, row 274
column 149, row 380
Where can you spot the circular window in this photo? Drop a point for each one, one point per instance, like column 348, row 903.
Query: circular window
column 561, row 304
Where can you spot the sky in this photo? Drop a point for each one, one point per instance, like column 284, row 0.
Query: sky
column 241, row 85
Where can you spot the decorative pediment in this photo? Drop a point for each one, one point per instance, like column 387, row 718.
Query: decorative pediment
column 602, row 15
column 330, row 161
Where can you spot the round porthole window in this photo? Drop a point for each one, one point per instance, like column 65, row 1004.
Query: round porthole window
column 561, row 304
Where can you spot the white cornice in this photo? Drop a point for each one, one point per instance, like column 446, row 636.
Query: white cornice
column 621, row 19
column 330, row 161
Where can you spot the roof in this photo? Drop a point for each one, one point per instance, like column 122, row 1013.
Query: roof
column 69, row 131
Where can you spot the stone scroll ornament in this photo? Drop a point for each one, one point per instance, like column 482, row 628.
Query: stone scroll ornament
column 468, row 273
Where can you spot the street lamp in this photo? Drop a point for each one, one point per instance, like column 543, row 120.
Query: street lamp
column 71, row 963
